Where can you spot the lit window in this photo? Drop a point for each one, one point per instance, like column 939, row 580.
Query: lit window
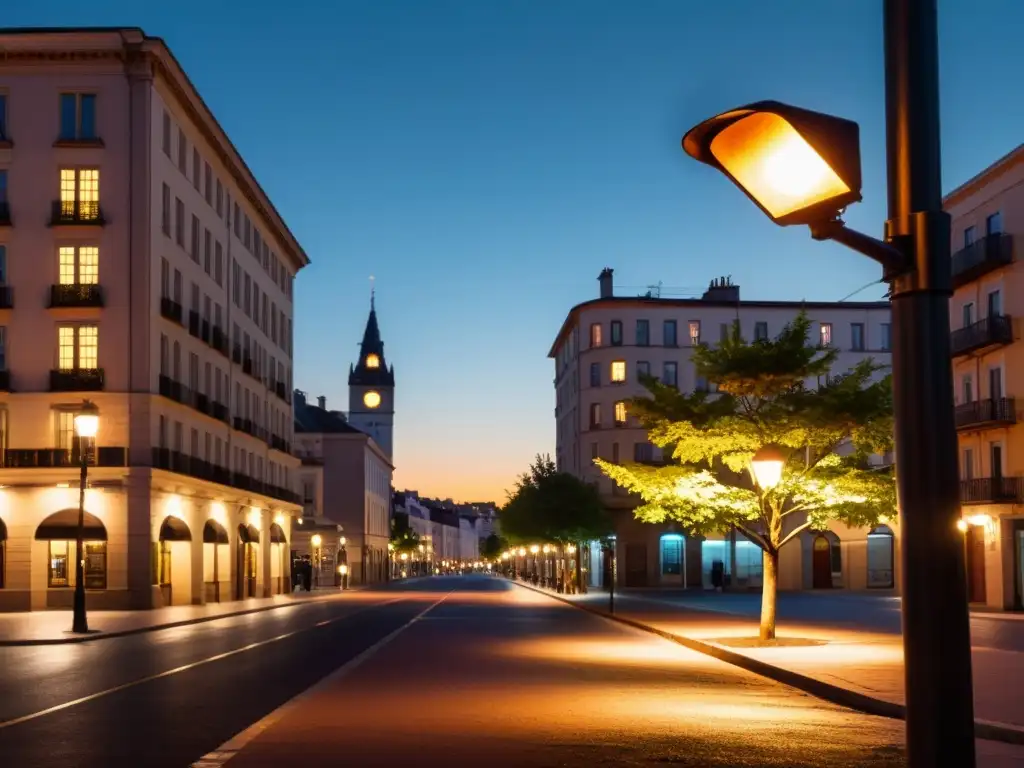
column 595, row 335
column 77, row 347
column 80, row 193
column 372, row 361
column 620, row 412
column 826, row 335
column 371, row 399
column 694, row 333
column 618, row 370
column 79, row 265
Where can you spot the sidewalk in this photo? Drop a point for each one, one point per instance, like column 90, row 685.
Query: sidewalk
column 51, row 627
column 865, row 663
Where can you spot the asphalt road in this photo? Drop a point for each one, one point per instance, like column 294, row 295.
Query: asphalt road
column 449, row 671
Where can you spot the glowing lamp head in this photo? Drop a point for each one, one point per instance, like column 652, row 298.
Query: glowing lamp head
column 522, row 551
column 316, row 540
column 571, row 549
column 798, row 166
column 422, row 548
column 961, row 525
column 767, row 466
column 342, row 541
column 405, row 555
column 534, row 549
column 342, row 569
column 87, row 420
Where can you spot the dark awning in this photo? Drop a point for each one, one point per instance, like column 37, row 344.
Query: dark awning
column 63, row 526
column 277, row 534
column 214, row 533
column 249, row 534
column 174, row 529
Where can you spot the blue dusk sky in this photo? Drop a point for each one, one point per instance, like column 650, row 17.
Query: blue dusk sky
column 484, row 159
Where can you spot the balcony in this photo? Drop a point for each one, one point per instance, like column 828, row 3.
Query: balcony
column 5, row 214
column 193, row 323
column 175, row 461
column 77, row 380
column 76, row 295
column 32, row 458
column 76, row 212
column 202, row 403
column 220, row 412
column 247, row 365
column 220, row 341
column 6, row 297
column 204, row 331
column 171, row 388
column 244, row 425
column 994, row 330
column 171, row 309
column 280, row 444
column 279, row 390
column 986, row 413
column 5, row 381
column 236, row 354
column 992, row 490
column 980, row 257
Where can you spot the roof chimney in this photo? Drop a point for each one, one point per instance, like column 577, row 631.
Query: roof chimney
column 322, row 402
column 605, row 281
column 722, row 289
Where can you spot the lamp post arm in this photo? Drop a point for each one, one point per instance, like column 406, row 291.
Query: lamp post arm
column 893, row 259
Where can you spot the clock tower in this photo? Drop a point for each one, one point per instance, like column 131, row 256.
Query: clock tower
column 371, row 388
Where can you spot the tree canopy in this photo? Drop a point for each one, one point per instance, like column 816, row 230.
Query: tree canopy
column 403, row 538
column 768, row 392
column 548, row 505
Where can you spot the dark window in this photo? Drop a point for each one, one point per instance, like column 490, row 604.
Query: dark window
column 968, row 236
column 166, row 140
column 643, row 368
column 643, row 452
column 165, row 210
column 761, row 331
column 668, row 333
column 595, row 374
column 615, row 453
column 857, row 336
column 179, row 222
column 994, row 224
column 670, row 374
column 595, row 415
column 643, row 333
column 3, row 135
column 886, row 343
column 616, row 333
column 77, row 116
column 837, row 558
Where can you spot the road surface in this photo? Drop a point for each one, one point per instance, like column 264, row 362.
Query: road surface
column 447, row 671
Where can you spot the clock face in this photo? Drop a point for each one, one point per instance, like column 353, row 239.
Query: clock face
column 372, row 361
column 371, row 399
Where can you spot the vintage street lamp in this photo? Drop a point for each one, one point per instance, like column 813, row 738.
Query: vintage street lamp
column 343, row 557
column 87, row 424
column 767, row 465
column 803, row 167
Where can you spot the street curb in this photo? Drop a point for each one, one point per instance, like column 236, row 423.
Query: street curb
column 983, row 729
column 169, row 625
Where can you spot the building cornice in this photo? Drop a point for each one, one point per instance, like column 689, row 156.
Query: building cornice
column 994, row 171
column 132, row 47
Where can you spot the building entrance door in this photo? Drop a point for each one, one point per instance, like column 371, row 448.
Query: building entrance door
column 636, row 565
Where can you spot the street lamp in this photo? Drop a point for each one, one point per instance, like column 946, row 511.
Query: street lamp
column 316, row 540
column 87, row 423
column 767, row 465
column 343, row 557
column 803, row 167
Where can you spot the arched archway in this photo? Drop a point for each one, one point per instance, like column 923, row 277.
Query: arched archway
column 60, row 531
column 174, row 561
column 247, row 558
column 278, row 555
column 216, row 557
column 826, row 559
column 881, row 558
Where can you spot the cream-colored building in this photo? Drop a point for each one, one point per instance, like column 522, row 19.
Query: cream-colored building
column 603, row 348
column 145, row 270
column 988, row 370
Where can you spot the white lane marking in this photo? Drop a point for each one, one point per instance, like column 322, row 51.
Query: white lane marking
column 239, row 741
column 176, row 670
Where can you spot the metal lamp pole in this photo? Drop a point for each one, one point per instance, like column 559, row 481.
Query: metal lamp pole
column 936, row 630
column 79, row 622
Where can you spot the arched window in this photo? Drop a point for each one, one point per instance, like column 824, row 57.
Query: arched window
column 61, row 530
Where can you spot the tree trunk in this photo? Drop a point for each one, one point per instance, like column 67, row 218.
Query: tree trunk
column 769, row 594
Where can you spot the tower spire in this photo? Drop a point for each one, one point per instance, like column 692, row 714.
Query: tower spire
column 373, row 291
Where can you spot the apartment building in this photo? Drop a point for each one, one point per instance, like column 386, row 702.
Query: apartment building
column 988, row 371
column 142, row 269
column 603, row 349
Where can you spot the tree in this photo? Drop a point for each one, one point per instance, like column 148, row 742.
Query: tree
column 492, row 547
column 826, row 434
column 552, row 506
column 403, row 538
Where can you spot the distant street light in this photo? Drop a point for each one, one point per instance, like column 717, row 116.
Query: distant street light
column 87, row 424
column 803, row 167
